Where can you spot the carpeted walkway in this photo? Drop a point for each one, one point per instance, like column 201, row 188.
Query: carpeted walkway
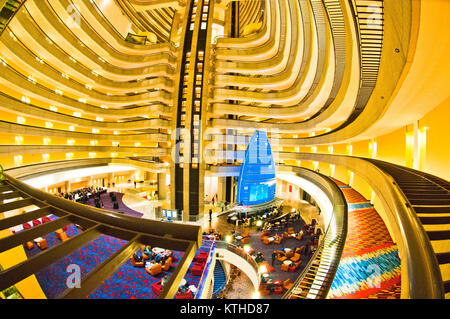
column 127, row 282
column 370, row 263
column 108, row 204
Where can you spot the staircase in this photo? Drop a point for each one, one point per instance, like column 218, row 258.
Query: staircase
column 429, row 196
column 220, row 279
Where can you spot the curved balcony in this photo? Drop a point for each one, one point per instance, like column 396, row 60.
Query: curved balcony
column 95, row 222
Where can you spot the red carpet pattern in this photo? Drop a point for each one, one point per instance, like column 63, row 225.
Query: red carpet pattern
column 367, row 235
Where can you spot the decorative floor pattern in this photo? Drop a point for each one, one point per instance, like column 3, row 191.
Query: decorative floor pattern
column 370, row 264
column 53, row 278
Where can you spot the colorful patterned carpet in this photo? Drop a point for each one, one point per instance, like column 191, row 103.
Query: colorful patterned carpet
column 127, row 282
column 370, row 264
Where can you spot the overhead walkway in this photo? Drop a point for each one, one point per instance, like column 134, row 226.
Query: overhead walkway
column 15, row 195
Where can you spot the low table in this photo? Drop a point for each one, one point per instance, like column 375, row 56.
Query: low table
column 288, row 262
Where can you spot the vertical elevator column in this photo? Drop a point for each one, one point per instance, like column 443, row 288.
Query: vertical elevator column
column 190, row 112
column 234, row 33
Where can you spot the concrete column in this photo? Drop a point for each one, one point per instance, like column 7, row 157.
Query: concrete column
column 162, row 187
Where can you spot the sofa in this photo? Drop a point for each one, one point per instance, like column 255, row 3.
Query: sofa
column 187, row 295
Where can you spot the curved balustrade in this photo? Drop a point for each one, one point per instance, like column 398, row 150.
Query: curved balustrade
column 421, row 276
column 94, row 221
column 316, row 279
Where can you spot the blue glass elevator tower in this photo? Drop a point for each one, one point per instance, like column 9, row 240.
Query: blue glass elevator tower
column 256, row 184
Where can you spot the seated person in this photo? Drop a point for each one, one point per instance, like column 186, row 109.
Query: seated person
column 182, row 289
column 164, row 280
column 158, row 257
column 137, row 258
column 150, row 264
column 147, row 251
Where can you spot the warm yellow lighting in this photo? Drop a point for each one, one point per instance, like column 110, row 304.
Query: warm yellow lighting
column 59, row 92
column 77, row 114
column 137, row 144
column 69, row 156
column 53, row 108
column 31, row 79
column 92, row 155
column 45, row 157
column 46, row 140
column 71, row 128
column 99, row 119
column 259, row 223
column 256, row 295
column 48, row 124
column 95, row 130
column 262, row 269
column 18, row 159
column 228, row 239
column 26, row 99
column 70, row 141
column 247, row 248
column 18, row 140
column 113, row 154
column 94, row 142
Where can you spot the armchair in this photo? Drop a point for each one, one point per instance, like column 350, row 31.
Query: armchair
column 278, row 240
column 281, row 257
column 167, row 264
column 135, row 263
column 287, row 284
column 155, row 270
column 296, row 257
column 284, row 267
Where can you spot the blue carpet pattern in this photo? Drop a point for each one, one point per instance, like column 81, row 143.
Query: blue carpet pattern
column 220, row 279
column 127, row 282
column 132, row 282
column 365, row 271
column 359, row 206
column 53, row 277
column 72, row 230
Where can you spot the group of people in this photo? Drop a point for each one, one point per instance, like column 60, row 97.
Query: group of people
column 151, row 258
column 82, row 194
column 211, row 232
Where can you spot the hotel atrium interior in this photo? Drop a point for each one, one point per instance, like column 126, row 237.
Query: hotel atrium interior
column 225, row 149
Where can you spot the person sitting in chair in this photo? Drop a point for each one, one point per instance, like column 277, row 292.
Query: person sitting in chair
column 164, row 280
column 137, row 258
column 147, row 251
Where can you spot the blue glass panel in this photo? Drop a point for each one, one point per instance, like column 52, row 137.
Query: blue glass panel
column 256, row 183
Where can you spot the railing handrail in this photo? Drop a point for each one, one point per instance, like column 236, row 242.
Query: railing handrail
column 238, row 251
column 339, row 216
column 421, row 275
